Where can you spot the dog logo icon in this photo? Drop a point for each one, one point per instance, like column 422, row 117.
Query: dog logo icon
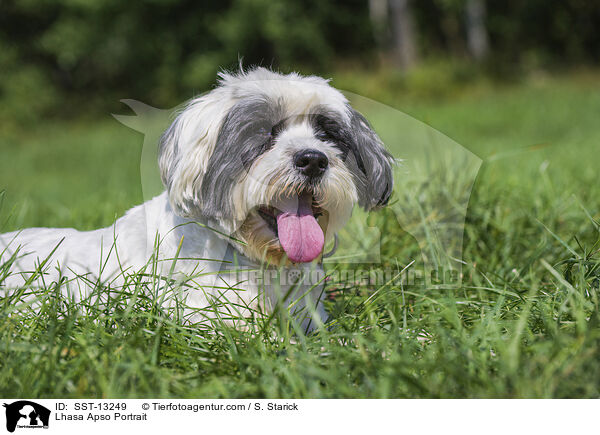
column 26, row 414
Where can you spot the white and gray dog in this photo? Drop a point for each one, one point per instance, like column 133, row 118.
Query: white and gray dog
column 260, row 172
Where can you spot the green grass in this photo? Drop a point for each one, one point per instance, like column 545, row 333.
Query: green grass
column 523, row 323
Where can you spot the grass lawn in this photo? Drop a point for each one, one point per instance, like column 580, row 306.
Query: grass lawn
column 524, row 322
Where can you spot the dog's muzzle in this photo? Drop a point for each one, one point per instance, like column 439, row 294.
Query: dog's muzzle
column 294, row 221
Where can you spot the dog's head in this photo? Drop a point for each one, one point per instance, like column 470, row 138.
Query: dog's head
column 277, row 161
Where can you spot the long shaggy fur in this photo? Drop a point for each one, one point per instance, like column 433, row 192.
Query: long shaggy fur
column 227, row 155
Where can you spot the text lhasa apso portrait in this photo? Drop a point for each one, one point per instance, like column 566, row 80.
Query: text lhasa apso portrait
column 263, row 170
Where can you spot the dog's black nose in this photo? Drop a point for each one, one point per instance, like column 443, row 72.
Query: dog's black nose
column 311, row 163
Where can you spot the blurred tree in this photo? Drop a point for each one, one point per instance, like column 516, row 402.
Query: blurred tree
column 404, row 50
column 379, row 14
column 477, row 38
column 394, row 30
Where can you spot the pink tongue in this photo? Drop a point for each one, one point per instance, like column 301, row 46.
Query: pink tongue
column 299, row 232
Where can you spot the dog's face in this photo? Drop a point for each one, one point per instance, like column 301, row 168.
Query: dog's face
column 277, row 161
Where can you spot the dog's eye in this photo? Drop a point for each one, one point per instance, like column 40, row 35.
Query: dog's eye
column 277, row 128
column 322, row 135
column 264, row 130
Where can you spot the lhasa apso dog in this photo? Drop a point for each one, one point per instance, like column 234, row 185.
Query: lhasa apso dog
column 261, row 173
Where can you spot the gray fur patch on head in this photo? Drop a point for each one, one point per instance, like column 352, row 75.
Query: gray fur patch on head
column 377, row 163
column 168, row 153
column 249, row 130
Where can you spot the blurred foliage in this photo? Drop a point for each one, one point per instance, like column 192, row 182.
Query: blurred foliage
column 532, row 31
column 66, row 57
column 161, row 50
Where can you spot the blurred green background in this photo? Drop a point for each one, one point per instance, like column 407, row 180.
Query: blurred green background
column 494, row 76
column 65, row 58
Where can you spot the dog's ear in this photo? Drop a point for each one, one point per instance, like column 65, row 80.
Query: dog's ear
column 374, row 162
column 184, row 150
